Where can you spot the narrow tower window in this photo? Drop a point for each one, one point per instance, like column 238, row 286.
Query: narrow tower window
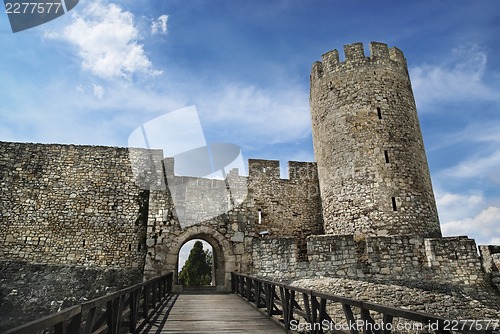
column 129, row 247
column 260, row 216
column 394, row 207
column 379, row 113
column 83, row 243
column 386, row 155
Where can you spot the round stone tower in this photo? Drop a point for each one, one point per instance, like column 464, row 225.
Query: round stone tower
column 373, row 172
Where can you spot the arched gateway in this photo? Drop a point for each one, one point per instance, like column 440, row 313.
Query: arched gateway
column 226, row 215
column 221, row 252
column 231, row 248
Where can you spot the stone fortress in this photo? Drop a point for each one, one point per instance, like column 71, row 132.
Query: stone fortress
column 362, row 221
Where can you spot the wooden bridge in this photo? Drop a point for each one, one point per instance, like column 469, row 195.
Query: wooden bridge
column 254, row 306
column 209, row 313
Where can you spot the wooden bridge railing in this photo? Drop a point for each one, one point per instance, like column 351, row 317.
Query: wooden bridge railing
column 130, row 307
column 311, row 311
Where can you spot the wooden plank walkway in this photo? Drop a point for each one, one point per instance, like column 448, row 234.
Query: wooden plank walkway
column 209, row 313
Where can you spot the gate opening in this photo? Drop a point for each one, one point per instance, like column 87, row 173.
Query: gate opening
column 196, row 264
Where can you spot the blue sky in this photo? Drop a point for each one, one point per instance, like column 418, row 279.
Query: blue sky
column 95, row 74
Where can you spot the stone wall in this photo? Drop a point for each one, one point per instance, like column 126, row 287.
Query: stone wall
column 122, row 208
column 410, row 258
column 269, row 206
column 275, row 258
column 441, row 276
column 230, row 236
column 373, row 171
column 287, row 207
column 67, row 204
column 88, row 206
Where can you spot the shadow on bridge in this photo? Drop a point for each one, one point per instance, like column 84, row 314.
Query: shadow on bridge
column 159, row 319
column 151, row 307
column 208, row 311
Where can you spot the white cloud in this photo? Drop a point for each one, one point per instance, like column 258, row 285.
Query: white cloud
column 459, row 78
column 107, row 41
column 450, row 200
column 480, row 132
column 98, row 91
column 455, row 206
column 485, row 226
column 494, row 241
column 79, row 116
column 485, row 166
column 483, row 163
column 159, row 26
column 253, row 115
column 174, row 132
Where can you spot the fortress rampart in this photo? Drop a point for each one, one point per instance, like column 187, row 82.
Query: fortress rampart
column 365, row 211
column 110, row 207
column 80, row 205
column 67, row 204
column 452, row 260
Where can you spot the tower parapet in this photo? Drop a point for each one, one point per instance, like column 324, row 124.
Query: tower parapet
column 355, row 55
column 373, row 172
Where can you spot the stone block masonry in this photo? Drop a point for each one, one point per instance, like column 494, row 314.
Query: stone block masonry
column 29, row 291
column 442, row 276
column 286, row 207
column 67, row 204
column 452, row 260
column 372, row 166
column 271, row 206
column 364, row 213
column 112, row 207
column 490, row 256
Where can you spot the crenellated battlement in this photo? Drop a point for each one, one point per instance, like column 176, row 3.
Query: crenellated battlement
column 362, row 111
column 355, row 55
column 365, row 211
column 260, row 167
column 299, row 170
column 270, row 169
column 452, row 260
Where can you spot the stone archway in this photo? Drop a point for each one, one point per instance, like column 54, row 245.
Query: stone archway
column 217, row 259
column 185, row 253
column 223, row 257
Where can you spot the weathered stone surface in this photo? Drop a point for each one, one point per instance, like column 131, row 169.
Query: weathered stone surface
column 451, row 260
column 67, row 204
column 365, row 213
column 280, row 207
column 372, row 167
column 443, row 300
column 29, row 291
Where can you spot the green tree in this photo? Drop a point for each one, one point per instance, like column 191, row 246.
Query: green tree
column 198, row 267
